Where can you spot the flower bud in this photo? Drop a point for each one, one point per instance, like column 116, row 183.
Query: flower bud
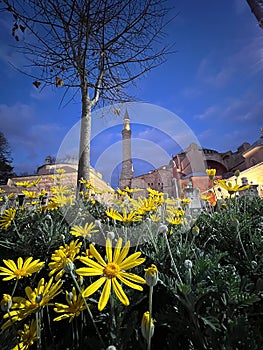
column 196, row 230
column 39, row 298
column 147, row 326
column 188, row 264
column 69, row 266
column 211, row 173
column 6, row 303
column 70, row 296
column 111, row 235
column 162, row 229
column 151, row 275
column 254, row 264
column 237, row 173
column 98, row 223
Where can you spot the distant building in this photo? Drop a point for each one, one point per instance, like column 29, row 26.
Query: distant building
column 189, row 166
column 127, row 167
column 47, row 171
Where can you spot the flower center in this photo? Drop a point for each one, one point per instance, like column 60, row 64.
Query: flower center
column 20, row 273
column 111, row 270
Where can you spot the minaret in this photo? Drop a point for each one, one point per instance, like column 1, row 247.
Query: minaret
column 127, row 167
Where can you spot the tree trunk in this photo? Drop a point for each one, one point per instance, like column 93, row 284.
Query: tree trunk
column 85, row 135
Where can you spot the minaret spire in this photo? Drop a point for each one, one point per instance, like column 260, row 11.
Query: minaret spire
column 127, row 167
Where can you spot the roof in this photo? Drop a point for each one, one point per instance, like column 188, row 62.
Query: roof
column 257, row 143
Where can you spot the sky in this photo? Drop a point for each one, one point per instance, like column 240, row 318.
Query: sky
column 209, row 91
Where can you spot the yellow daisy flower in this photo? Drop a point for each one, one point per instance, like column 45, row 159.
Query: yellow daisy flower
column 30, row 194
column 62, row 256
column 43, row 192
column 22, row 269
column 50, row 206
column 60, row 189
column 36, row 298
column 143, row 205
column 60, row 171
column 132, row 216
column 132, row 190
column 85, row 231
column 174, row 220
column 24, row 184
column 27, row 184
column 73, row 309
column 185, row 201
column 7, row 218
column 175, row 211
column 110, row 271
column 60, row 200
column 155, row 218
column 27, row 336
column 83, row 181
column 231, row 188
column 154, row 193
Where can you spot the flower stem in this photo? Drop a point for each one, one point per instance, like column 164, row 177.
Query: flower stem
column 13, row 291
column 38, row 325
column 88, row 309
column 172, row 259
column 150, row 318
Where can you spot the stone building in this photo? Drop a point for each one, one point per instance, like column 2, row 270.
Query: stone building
column 189, row 166
column 47, row 171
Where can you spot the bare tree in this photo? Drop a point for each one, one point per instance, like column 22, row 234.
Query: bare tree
column 6, row 168
column 95, row 47
column 256, row 7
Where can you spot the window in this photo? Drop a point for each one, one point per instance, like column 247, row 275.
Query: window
column 253, row 161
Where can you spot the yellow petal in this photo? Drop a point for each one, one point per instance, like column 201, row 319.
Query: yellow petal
column 8, row 278
column 91, row 263
column 119, row 292
column 29, row 293
column 19, row 263
column 131, row 261
column 105, row 295
column 28, row 261
column 123, row 253
column 130, row 284
column 85, row 271
column 10, row 264
column 117, row 250
column 96, row 255
column 93, row 287
column 62, row 317
column 109, row 250
column 132, row 277
column 5, row 271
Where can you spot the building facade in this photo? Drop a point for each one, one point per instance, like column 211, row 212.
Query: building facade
column 189, row 167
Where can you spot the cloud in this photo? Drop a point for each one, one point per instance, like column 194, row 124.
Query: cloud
column 219, row 71
column 209, row 113
column 30, row 139
column 211, row 75
column 234, row 121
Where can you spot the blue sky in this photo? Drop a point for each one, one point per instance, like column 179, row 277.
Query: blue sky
column 210, row 89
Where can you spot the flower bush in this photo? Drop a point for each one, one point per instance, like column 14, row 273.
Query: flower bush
column 129, row 273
